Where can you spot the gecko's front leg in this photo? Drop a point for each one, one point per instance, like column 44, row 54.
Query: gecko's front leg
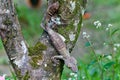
column 70, row 62
column 56, row 58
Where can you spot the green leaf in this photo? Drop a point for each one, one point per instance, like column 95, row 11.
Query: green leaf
column 114, row 31
column 106, row 55
column 91, row 63
column 108, row 65
column 93, row 71
column 87, row 44
column 79, row 67
column 8, row 78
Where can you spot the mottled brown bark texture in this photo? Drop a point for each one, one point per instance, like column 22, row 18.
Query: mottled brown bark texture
column 34, row 63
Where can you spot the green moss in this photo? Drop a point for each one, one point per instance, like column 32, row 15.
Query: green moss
column 69, row 17
column 4, row 41
column 18, row 72
column 36, row 54
column 65, row 31
column 34, row 61
column 7, row 22
column 34, row 65
column 37, row 49
column 78, row 31
column 27, row 76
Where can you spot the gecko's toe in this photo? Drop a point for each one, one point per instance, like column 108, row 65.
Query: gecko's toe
column 55, row 60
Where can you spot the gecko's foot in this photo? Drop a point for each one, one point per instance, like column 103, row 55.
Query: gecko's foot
column 54, row 59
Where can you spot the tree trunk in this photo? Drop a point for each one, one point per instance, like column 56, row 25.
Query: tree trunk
column 34, row 63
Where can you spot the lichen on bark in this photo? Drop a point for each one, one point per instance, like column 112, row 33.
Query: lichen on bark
column 34, row 63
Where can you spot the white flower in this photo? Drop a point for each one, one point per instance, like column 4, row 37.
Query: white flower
column 109, row 57
column 83, row 77
column 75, row 75
column 85, row 35
column 97, row 24
column 71, row 74
column 117, row 45
column 104, row 43
column 115, row 49
column 69, row 78
column 110, row 25
column 107, row 29
column 82, row 25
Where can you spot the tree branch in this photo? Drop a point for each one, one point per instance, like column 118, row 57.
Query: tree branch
column 34, row 63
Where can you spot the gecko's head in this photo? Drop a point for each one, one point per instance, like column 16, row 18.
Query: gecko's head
column 71, row 63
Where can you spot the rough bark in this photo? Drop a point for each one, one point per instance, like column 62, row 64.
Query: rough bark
column 34, row 63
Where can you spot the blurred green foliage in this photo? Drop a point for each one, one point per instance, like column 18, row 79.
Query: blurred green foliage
column 30, row 20
column 91, row 71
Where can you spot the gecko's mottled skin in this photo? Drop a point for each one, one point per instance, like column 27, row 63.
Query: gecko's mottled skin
column 58, row 43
